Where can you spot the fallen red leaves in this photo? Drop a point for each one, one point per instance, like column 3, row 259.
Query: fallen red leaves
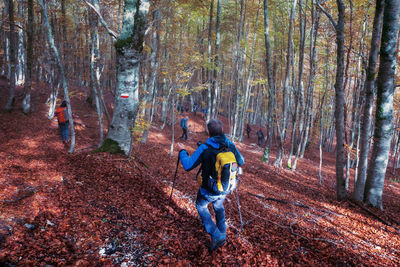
column 89, row 209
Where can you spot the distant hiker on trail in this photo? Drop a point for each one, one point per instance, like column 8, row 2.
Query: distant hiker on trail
column 260, row 136
column 195, row 107
column 180, row 108
column 214, row 186
column 248, row 130
column 184, row 126
column 205, row 113
column 63, row 122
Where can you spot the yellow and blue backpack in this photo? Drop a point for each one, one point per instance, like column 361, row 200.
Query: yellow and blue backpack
column 225, row 175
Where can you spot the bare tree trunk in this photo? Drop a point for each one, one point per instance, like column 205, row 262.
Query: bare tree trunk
column 94, row 68
column 217, row 51
column 289, row 55
column 271, row 84
column 298, row 89
column 153, row 74
column 384, row 105
column 171, row 151
column 245, row 100
column 13, row 56
column 339, row 112
column 369, row 102
column 26, row 103
column 339, row 98
column 166, row 58
column 238, row 66
column 129, row 46
column 61, row 70
column 209, row 71
column 20, row 70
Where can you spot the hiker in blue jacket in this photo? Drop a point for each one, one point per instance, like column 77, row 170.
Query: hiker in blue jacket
column 205, row 154
column 184, row 125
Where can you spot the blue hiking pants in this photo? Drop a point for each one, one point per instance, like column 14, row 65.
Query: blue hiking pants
column 64, row 128
column 218, row 229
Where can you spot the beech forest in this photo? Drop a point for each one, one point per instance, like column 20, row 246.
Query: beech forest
column 123, row 122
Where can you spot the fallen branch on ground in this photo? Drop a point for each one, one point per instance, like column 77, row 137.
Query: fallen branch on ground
column 21, row 194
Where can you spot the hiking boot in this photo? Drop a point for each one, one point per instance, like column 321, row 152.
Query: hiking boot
column 216, row 244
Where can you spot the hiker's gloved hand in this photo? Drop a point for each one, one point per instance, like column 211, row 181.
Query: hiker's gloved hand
column 179, row 154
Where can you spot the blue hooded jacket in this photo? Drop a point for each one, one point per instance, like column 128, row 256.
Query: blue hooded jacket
column 183, row 123
column 206, row 157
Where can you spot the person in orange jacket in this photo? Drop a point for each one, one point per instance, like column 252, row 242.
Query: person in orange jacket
column 63, row 121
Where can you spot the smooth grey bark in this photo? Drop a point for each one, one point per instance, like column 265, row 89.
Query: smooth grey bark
column 13, row 56
column 209, row 71
column 289, row 60
column 52, row 100
column 358, row 193
column 339, row 97
column 321, row 127
column 61, row 71
column 166, row 58
column 149, row 99
column 156, row 48
column 384, row 105
column 238, row 68
column 217, row 60
column 362, row 64
column 171, row 151
column 26, row 103
column 298, row 91
column 271, row 84
column 309, row 115
column 94, row 68
column 64, row 36
column 321, row 122
column 354, row 116
column 245, row 100
column 20, row 69
column 129, row 45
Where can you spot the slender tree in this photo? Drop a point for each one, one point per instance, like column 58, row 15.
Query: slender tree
column 339, row 97
column 61, row 70
column 94, row 68
column 217, row 60
column 289, row 55
column 26, row 103
column 271, row 83
column 13, row 55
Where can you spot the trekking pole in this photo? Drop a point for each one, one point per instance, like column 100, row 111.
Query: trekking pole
column 240, row 213
column 173, row 183
column 237, row 198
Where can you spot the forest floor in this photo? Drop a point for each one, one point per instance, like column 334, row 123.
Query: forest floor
column 87, row 209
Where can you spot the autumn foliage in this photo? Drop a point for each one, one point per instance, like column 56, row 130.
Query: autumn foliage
column 88, row 209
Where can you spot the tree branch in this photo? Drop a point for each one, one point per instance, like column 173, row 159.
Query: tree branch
column 327, row 14
column 103, row 22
